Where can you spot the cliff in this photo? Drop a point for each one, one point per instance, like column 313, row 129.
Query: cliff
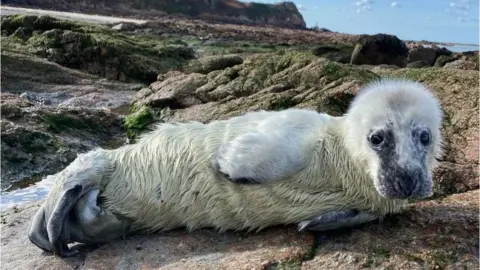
column 283, row 14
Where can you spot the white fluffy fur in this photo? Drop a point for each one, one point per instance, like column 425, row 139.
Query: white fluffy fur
column 313, row 163
column 401, row 103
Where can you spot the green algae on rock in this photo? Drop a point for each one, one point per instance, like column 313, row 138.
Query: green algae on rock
column 335, row 52
column 138, row 121
column 39, row 140
column 96, row 49
column 269, row 81
column 281, row 81
column 207, row 64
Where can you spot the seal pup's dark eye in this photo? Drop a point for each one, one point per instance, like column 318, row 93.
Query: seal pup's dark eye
column 425, row 138
column 376, row 138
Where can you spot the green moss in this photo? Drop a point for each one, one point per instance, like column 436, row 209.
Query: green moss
column 222, row 47
column 262, row 68
column 332, row 71
column 375, row 258
column 33, row 142
column 369, row 262
column 443, row 59
column 137, row 121
column 440, row 259
column 32, row 23
column 96, row 49
column 281, row 103
column 10, row 23
column 294, row 264
column 335, row 52
column 413, row 258
column 287, row 265
column 381, row 252
column 60, row 122
column 113, row 143
column 206, row 65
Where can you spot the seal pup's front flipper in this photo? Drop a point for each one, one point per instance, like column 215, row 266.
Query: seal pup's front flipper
column 337, row 220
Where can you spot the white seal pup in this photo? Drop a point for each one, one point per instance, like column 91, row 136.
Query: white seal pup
column 252, row 171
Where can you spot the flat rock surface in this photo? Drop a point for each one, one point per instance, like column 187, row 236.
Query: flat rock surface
column 203, row 249
column 436, row 234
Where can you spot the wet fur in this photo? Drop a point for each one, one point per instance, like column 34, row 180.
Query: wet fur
column 172, row 176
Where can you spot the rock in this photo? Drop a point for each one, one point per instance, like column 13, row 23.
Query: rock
column 380, row 49
column 468, row 55
column 443, row 59
column 169, row 74
column 208, row 64
column 441, row 51
column 51, row 113
column 124, row 26
column 175, row 92
column 264, row 81
column 436, row 234
column 275, row 82
column 418, row 64
column 177, row 249
column 427, row 55
column 285, row 14
column 461, row 64
column 374, row 69
column 101, row 51
column 320, row 29
column 472, row 56
column 21, row 33
column 334, row 52
column 47, row 83
column 37, row 141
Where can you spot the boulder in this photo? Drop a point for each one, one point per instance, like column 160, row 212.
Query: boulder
column 443, row 59
column 461, row 64
column 207, row 64
column 427, row 55
column 380, row 49
column 418, row 64
column 268, row 81
column 175, row 91
column 334, row 52
column 441, row 50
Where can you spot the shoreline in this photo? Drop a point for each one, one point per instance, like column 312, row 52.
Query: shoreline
column 9, row 10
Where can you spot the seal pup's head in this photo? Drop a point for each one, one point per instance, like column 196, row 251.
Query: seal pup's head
column 393, row 129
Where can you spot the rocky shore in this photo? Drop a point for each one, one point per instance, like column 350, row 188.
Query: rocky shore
column 68, row 87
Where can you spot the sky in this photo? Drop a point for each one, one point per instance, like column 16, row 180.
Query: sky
column 454, row 21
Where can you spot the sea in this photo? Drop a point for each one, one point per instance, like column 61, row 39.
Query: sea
column 458, row 47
